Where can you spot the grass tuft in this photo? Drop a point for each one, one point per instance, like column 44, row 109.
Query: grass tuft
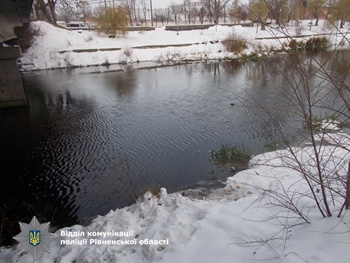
column 230, row 155
column 234, row 44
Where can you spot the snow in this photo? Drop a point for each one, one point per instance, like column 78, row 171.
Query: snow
column 242, row 222
column 60, row 48
column 329, row 124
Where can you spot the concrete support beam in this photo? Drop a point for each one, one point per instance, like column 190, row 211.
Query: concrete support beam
column 11, row 89
column 9, row 19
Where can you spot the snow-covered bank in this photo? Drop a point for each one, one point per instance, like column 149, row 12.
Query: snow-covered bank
column 58, row 48
column 239, row 223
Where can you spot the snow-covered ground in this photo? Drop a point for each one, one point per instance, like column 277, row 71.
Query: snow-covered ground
column 58, row 48
column 241, row 222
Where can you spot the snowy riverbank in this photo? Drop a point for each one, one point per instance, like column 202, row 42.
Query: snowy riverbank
column 240, row 223
column 59, row 48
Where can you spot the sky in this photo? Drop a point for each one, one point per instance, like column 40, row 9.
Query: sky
column 164, row 3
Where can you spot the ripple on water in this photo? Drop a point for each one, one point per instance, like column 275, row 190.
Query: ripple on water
column 100, row 139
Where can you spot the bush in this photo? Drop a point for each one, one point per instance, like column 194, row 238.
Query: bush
column 293, row 44
column 234, row 44
column 313, row 44
column 26, row 35
column 127, row 51
column 113, row 20
column 317, row 44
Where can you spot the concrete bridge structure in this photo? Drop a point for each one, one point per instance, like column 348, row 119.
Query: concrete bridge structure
column 14, row 14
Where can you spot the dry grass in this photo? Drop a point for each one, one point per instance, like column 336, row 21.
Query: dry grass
column 234, row 44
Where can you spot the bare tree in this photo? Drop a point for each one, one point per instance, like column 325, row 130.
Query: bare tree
column 318, row 90
column 190, row 11
column 296, row 10
column 194, row 13
column 175, row 10
column 68, row 5
column 278, row 10
column 315, row 7
column 259, row 12
column 201, row 14
column 144, row 6
column 130, row 7
column 84, row 9
column 48, row 9
column 220, row 7
column 64, row 14
column 68, row 9
column 187, row 11
column 160, row 16
column 207, row 7
column 214, row 9
column 237, row 12
column 340, row 11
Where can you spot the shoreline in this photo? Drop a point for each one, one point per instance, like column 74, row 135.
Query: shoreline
column 56, row 48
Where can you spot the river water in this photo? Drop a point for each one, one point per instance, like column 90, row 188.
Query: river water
column 91, row 142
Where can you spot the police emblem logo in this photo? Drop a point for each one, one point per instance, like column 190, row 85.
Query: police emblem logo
column 34, row 237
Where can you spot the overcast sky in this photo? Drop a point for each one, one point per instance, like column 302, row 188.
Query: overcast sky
column 164, row 3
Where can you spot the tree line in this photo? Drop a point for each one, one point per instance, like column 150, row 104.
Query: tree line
column 196, row 11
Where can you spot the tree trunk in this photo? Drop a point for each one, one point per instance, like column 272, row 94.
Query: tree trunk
column 316, row 23
column 53, row 12
column 44, row 11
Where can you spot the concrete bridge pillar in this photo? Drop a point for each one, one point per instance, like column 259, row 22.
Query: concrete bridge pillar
column 11, row 89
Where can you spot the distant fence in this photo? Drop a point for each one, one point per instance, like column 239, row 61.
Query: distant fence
column 140, row 28
column 95, row 28
column 168, row 27
column 187, row 27
column 198, row 27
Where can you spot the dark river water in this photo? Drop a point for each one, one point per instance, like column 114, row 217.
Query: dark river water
column 92, row 142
